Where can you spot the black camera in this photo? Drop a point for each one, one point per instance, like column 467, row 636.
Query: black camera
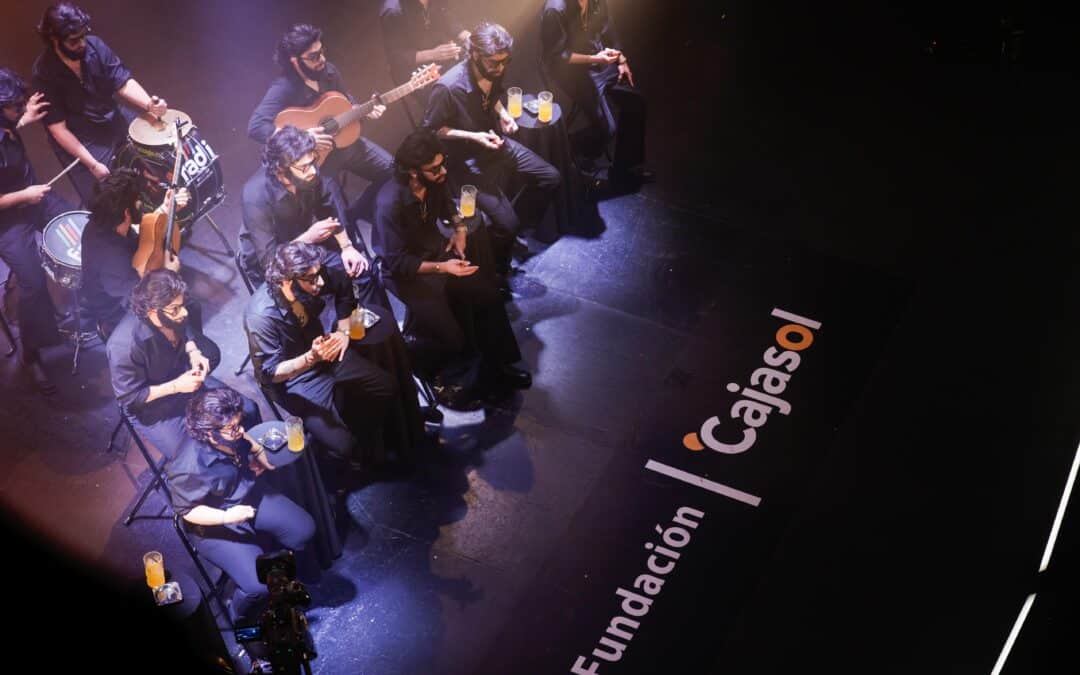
column 282, row 627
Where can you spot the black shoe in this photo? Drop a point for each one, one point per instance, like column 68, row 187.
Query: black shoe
column 515, row 377
column 431, row 414
column 455, row 398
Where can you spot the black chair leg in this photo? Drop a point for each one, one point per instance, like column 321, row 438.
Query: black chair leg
column 214, row 589
column 158, row 480
column 7, row 333
column 243, row 364
column 115, row 433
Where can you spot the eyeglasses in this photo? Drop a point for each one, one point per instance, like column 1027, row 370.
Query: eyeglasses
column 173, row 311
column 303, row 168
column 492, row 64
column 314, row 57
column 74, row 41
column 438, row 168
column 312, row 279
column 232, row 430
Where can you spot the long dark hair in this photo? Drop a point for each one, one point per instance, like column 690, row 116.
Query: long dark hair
column 292, row 260
column 61, row 20
column 114, row 195
column 155, row 291
column 418, row 148
column 285, row 147
column 209, row 410
column 295, row 42
column 490, row 38
column 12, row 87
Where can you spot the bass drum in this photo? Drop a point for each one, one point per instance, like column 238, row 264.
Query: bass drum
column 149, row 152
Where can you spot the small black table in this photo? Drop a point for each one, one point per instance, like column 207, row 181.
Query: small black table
column 297, row 477
column 551, row 142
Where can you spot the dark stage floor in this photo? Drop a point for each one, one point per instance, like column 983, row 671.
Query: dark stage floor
column 890, row 517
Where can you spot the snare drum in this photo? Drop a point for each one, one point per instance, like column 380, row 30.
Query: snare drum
column 61, row 248
column 149, row 151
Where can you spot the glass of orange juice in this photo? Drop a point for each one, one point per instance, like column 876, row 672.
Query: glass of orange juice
column 546, row 106
column 356, row 324
column 294, row 431
column 154, row 565
column 468, row 201
column 513, row 102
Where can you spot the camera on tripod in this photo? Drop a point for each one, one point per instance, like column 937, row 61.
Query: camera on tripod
column 282, row 627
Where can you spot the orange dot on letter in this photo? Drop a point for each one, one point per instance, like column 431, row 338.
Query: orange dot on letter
column 692, row 442
column 805, row 337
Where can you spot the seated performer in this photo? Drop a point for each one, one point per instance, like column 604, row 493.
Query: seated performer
column 341, row 396
column 418, row 32
column 158, row 357
column 582, row 53
column 109, row 244
column 25, row 206
column 305, row 76
column 215, row 487
column 79, row 75
column 466, row 109
column 448, row 284
column 289, row 199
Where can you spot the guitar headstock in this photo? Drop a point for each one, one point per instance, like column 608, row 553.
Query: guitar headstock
column 424, row 76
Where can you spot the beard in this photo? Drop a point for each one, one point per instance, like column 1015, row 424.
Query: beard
column 236, row 445
column 310, row 73
column 73, row 54
column 487, row 74
column 430, row 184
column 303, row 297
column 175, row 326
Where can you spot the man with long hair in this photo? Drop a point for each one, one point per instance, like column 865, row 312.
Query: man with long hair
column 79, row 75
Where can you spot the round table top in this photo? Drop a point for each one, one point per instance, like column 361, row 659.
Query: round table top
column 529, row 120
column 282, row 456
column 379, row 332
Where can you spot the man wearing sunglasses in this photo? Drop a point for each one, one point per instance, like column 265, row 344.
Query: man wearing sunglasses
column 306, row 74
column 25, row 206
column 79, row 75
column 466, row 110
column 462, row 336
column 159, row 356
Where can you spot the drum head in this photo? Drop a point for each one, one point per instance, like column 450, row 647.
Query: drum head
column 148, row 130
column 61, row 247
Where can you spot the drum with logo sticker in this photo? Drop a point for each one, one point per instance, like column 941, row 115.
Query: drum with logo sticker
column 149, row 152
column 61, row 248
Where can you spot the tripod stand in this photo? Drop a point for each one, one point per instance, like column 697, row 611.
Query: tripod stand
column 76, row 334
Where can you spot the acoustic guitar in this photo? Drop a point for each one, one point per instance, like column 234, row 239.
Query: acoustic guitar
column 157, row 228
column 341, row 118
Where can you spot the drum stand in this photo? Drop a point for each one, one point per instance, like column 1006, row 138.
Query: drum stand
column 219, row 233
column 77, row 335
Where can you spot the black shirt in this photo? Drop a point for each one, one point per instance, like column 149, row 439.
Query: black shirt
column 140, row 356
column 275, row 334
column 402, row 236
column 562, row 32
column 408, row 29
column 87, row 106
column 15, row 174
column 200, row 475
column 289, row 91
column 107, row 274
column 458, row 102
column 273, row 215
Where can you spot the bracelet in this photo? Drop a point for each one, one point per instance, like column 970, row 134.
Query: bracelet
column 349, row 245
column 438, row 267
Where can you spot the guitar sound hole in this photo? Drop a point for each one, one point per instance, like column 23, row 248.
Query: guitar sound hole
column 330, row 126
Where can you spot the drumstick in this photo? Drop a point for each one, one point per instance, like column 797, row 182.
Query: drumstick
column 60, row 175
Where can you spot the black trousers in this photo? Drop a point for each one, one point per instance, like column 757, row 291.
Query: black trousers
column 20, row 251
column 368, row 160
column 235, row 553
column 513, row 164
column 598, row 92
column 343, row 405
column 102, row 145
column 459, row 324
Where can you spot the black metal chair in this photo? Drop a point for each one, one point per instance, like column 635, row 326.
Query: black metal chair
column 216, row 589
column 251, row 291
column 7, row 333
column 158, row 479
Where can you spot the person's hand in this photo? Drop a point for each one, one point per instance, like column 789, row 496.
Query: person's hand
column 189, row 381
column 158, row 106
column 508, row 124
column 459, row 267
column 606, row 56
column 260, row 461
column 256, row 466
column 198, row 361
column 321, row 230
column 35, row 109
column 625, row 74
column 449, row 51
column 172, row 261
column 457, row 242
column 376, row 111
column 239, row 513
column 489, row 139
column 329, row 347
column 355, row 261
column 99, row 170
column 182, row 198
column 324, row 142
column 35, row 193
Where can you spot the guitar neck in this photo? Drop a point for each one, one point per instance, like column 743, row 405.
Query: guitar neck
column 361, row 110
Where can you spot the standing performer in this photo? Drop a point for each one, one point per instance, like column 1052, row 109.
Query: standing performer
column 416, row 32
column 79, row 75
column 25, row 206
